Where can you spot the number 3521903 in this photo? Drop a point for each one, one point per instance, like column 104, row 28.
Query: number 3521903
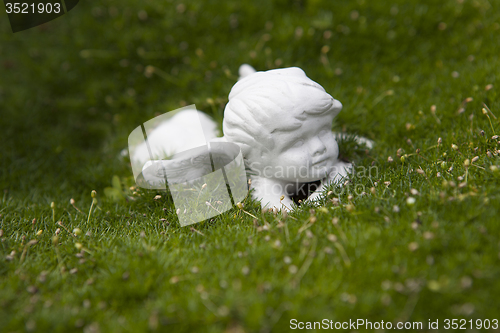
column 463, row 324
column 25, row 8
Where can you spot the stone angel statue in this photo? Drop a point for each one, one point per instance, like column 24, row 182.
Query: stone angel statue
column 280, row 119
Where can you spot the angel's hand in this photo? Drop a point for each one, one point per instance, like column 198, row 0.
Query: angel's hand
column 271, row 193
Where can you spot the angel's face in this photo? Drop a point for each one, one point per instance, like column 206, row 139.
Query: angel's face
column 305, row 154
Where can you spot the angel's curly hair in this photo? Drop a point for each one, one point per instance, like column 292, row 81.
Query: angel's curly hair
column 265, row 102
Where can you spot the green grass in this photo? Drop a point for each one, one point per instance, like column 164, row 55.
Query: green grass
column 73, row 89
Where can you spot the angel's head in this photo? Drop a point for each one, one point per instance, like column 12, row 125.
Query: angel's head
column 282, row 121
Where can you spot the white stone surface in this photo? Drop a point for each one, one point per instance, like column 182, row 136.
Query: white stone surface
column 177, row 135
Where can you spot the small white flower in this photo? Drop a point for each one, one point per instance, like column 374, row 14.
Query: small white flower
column 410, row 201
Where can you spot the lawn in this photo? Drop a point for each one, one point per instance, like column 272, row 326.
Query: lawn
column 414, row 238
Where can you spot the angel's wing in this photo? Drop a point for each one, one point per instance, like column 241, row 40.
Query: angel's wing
column 182, row 168
column 189, row 165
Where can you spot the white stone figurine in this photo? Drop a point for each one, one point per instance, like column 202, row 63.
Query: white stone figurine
column 282, row 122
